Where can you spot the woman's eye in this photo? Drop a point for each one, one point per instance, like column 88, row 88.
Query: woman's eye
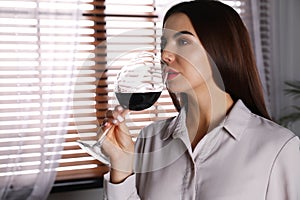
column 182, row 42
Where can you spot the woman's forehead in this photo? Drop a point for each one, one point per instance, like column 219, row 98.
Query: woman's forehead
column 178, row 22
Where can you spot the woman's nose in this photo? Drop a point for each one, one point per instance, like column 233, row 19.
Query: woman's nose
column 168, row 57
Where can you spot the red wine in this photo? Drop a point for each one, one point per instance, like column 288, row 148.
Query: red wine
column 137, row 101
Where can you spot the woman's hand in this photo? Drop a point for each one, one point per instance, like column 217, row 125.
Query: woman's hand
column 118, row 145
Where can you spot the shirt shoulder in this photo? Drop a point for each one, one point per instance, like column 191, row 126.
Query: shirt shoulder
column 266, row 139
column 244, row 125
column 269, row 131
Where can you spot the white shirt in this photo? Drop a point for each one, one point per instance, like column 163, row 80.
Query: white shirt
column 246, row 157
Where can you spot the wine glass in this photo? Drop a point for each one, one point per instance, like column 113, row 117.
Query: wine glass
column 137, row 87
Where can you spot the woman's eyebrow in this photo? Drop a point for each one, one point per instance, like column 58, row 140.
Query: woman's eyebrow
column 181, row 33
column 178, row 34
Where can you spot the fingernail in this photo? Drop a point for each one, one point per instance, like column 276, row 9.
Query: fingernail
column 119, row 108
column 120, row 118
column 115, row 121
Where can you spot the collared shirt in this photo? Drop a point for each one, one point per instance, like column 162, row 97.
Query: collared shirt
column 246, row 157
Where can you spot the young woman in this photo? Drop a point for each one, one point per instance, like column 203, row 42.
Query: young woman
column 222, row 144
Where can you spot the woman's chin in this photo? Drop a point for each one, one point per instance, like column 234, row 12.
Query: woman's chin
column 177, row 87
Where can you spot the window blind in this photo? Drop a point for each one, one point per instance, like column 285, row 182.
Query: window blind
column 117, row 32
column 134, row 30
column 42, row 45
column 265, row 28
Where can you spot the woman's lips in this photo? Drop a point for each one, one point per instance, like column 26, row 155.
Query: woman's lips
column 171, row 74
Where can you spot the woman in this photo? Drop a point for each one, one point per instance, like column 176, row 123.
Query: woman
column 222, row 144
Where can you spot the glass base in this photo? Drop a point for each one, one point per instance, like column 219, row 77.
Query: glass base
column 94, row 147
column 94, row 150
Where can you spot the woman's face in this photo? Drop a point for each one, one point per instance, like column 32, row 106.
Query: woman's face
column 186, row 60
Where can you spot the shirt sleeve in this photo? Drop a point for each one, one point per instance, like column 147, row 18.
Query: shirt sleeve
column 284, row 182
column 122, row 191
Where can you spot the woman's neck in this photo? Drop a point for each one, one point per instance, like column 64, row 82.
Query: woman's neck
column 207, row 107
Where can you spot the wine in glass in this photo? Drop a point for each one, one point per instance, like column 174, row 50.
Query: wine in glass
column 137, row 87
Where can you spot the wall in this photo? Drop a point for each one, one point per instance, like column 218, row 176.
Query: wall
column 286, row 60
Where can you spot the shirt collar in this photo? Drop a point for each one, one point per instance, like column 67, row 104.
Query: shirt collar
column 237, row 120
column 177, row 125
column 235, row 123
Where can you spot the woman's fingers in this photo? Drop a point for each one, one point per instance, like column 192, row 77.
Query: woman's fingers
column 118, row 143
column 120, row 113
column 115, row 116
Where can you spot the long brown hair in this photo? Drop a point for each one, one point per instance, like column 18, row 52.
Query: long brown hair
column 226, row 39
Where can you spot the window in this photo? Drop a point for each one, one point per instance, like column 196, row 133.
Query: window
column 42, row 44
column 113, row 27
column 54, row 78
